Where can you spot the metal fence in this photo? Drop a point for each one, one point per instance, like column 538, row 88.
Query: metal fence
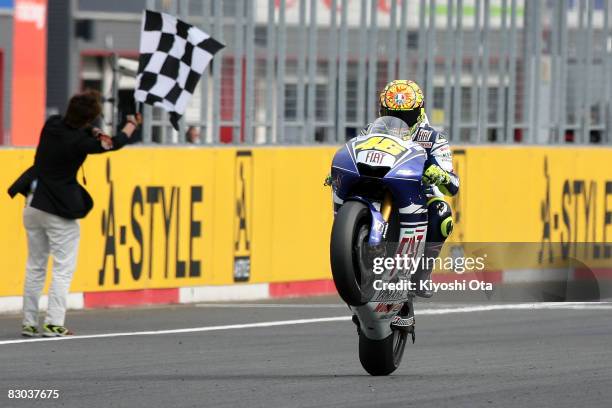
column 309, row 71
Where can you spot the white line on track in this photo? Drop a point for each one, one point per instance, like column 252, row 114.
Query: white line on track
column 273, row 305
column 463, row 309
column 519, row 306
column 181, row 331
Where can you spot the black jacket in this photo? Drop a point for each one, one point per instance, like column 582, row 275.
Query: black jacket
column 60, row 153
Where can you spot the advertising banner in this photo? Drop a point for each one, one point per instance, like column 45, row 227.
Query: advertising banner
column 178, row 217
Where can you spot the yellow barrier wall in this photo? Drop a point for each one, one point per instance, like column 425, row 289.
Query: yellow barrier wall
column 167, row 217
column 514, row 194
column 180, row 217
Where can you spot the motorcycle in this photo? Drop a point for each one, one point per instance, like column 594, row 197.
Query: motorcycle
column 380, row 211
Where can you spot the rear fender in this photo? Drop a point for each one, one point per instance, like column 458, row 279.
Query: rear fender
column 374, row 325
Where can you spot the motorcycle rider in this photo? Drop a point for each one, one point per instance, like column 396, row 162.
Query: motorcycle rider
column 404, row 100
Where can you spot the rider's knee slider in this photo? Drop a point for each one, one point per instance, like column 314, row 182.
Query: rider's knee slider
column 440, row 219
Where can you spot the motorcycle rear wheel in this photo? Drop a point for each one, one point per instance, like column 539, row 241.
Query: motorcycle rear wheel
column 382, row 357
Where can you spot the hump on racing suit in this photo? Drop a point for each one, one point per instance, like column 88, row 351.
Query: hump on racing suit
column 438, row 152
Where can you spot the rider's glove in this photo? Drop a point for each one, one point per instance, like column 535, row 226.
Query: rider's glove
column 435, row 175
column 328, row 180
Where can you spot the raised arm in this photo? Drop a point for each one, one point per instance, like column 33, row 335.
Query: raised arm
column 101, row 143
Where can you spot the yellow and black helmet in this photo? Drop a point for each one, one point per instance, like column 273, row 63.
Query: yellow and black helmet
column 404, row 100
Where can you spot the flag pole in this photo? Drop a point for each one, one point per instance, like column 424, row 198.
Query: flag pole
column 115, row 92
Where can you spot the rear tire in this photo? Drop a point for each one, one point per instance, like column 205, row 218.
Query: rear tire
column 349, row 220
column 382, row 357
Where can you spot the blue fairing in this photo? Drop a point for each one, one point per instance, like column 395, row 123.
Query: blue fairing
column 343, row 159
column 344, row 172
column 403, row 180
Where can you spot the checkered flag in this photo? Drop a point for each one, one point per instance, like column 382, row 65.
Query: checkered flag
column 173, row 56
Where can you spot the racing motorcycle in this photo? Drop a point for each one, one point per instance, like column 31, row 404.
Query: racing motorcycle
column 380, row 211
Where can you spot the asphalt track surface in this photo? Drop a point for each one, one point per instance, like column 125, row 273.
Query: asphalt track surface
column 525, row 357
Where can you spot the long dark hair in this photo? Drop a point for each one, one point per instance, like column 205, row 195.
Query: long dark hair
column 83, row 109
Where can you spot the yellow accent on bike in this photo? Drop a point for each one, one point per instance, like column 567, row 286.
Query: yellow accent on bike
column 383, row 144
column 386, row 207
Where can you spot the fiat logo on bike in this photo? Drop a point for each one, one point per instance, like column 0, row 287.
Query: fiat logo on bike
column 374, row 157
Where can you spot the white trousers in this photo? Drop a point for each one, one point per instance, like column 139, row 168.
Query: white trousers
column 48, row 233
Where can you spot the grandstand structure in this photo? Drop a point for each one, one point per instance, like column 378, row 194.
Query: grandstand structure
column 309, row 71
